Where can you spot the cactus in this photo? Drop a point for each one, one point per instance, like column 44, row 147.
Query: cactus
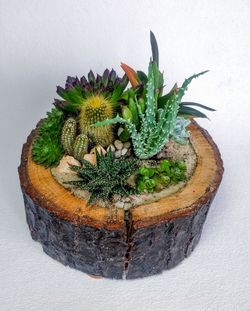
column 68, row 135
column 97, row 109
column 80, row 147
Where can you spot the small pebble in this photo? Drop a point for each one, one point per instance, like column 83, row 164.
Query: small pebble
column 64, row 165
column 127, row 144
column 111, row 147
column 127, row 206
column 91, row 158
column 120, row 130
column 124, row 151
column 98, row 148
column 129, row 152
column 127, row 199
column 118, row 153
column 119, row 204
column 118, row 144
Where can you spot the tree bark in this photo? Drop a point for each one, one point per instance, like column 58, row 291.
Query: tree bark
column 113, row 243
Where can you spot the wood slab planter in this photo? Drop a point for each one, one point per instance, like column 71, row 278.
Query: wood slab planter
column 111, row 242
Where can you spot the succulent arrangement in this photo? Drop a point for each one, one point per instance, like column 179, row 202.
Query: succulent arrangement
column 123, row 124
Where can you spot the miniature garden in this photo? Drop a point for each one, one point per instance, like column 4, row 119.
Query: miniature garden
column 119, row 141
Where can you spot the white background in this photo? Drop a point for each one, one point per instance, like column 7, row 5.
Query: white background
column 41, row 42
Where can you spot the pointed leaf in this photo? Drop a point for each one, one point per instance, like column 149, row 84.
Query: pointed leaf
column 154, row 47
column 91, row 77
column 198, row 105
column 131, row 74
column 183, row 88
column 112, row 75
column 192, row 112
column 105, row 77
column 142, row 76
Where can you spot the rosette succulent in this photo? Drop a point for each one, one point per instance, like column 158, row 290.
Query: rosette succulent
column 47, row 148
column 76, row 90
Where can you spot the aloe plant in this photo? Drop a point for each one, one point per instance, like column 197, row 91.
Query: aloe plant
column 139, row 79
column 156, row 124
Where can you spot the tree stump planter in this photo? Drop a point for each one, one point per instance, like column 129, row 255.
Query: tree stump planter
column 114, row 243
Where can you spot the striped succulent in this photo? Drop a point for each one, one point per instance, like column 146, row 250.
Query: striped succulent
column 76, row 90
column 156, row 124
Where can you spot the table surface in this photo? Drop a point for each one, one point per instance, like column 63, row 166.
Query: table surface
column 41, row 42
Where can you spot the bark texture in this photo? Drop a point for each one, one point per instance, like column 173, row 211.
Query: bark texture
column 129, row 245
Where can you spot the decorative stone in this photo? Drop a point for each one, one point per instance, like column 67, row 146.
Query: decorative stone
column 131, row 180
column 127, row 144
column 118, row 153
column 124, row 151
column 120, row 130
column 99, row 149
column 91, row 157
column 118, row 144
column 64, row 165
column 111, row 147
column 127, row 206
column 129, row 152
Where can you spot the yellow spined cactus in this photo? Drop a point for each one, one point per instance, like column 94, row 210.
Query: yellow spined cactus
column 97, row 108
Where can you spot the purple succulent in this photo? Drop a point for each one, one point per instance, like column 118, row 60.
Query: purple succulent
column 76, row 90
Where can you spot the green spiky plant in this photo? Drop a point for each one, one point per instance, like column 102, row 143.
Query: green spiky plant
column 156, row 124
column 47, row 149
column 94, row 100
column 106, row 178
column 139, row 79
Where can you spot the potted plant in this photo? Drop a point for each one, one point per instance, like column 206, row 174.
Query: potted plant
column 118, row 178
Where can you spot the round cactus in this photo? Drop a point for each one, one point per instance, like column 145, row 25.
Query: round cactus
column 69, row 135
column 80, row 147
column 95, row 109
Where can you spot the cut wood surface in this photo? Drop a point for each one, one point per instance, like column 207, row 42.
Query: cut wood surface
column 147, row 240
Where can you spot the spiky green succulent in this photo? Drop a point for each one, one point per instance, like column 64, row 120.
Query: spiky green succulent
column 106, row 178
column 76, row 90
column 47, row 149
column 155, row 124
column 139, row 81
